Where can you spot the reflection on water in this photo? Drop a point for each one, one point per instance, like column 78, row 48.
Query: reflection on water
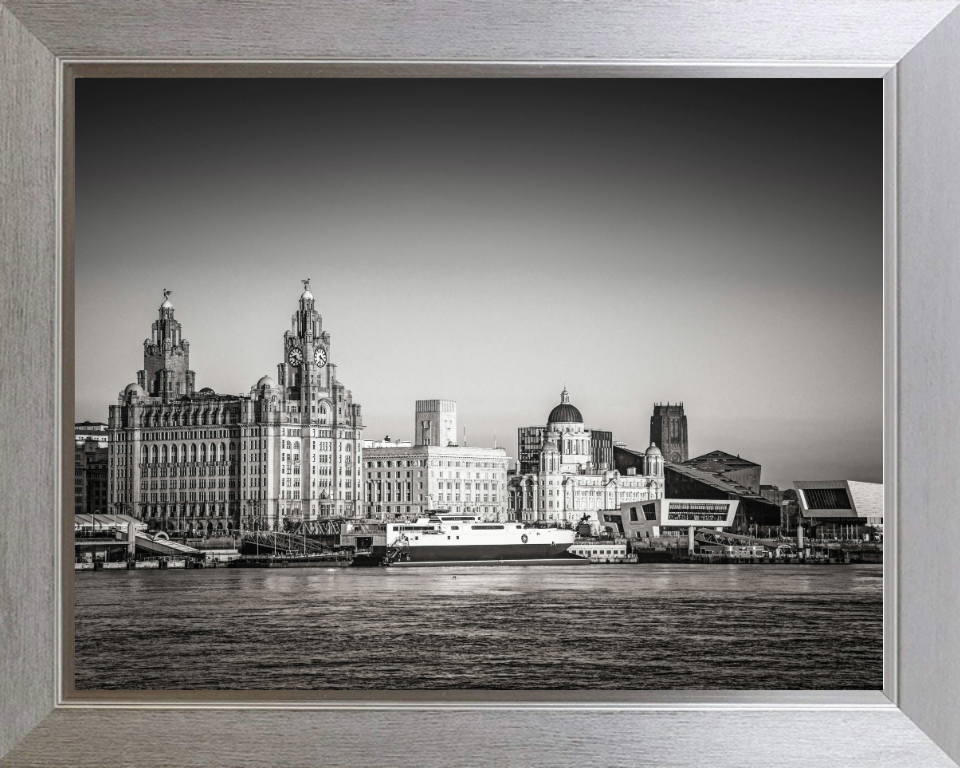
column 656, row 626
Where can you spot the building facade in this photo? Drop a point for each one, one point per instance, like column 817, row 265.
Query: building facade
column 407, row 481
column 90, row 492
column 730, row 467
column 434, row 473
column 436, row 422
column 200, row 462
column 95, row 431
column 668, row 431
column 569, row 482
column 601, row 449
column 840, row 507
column 755, row 514
column 529, row 444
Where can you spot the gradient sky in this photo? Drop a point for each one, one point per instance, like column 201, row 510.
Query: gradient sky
column 716, row 242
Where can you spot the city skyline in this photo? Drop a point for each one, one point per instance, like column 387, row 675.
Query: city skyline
column 491, row 262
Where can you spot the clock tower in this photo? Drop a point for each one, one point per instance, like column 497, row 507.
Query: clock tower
column 306, row 349
column 311, row 428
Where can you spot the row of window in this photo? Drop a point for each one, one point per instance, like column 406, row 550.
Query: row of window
column 187, row 496
column 152, row 454
column 152, row 485
column 422, row 463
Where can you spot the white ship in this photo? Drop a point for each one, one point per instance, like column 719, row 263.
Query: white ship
column 451, row 539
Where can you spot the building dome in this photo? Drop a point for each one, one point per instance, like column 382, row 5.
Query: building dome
column 565, row 412
column 266, row 381
column 306, row 295
column 166, row 304
column 135, row 389
column 207, row 391
column 653, row 450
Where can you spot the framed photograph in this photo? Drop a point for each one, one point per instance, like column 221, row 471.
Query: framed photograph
column 613, row 195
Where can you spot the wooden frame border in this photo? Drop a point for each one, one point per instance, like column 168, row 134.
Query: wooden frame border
column 922, row 371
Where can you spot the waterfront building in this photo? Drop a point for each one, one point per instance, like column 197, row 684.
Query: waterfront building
column 601, row 449
column 754, row 513
column 772, row 493
column 401, row 479
column 530, row 442
column 668, row 431
column 845, row 508
column 741, row 471
column 202, row 462
column 90, row 490
column 664, row 516
column 569, row 482
column 95, row 431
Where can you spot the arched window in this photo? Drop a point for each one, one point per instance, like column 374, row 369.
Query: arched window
column 203, row 452
column 163, row 454
column 183, row 453
column 144, row 455
column 173, row 454
column 233, row 447
column 297, row 445
column 213, row 451
column 223, row 452
column 193, row 452
column 153, row 454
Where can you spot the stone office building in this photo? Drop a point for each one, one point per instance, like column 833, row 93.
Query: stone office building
column 570, row 481
column 408, row 480
column 200, row 462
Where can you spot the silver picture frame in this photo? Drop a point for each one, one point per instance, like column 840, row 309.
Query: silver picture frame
column 912, row 47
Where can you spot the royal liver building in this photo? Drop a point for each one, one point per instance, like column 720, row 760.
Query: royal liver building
column 188, row 461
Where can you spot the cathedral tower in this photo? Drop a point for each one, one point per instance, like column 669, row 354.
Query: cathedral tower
column 668, row 431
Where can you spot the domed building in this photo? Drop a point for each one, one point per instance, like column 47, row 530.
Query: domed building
column 201, row 463
column 566, row 471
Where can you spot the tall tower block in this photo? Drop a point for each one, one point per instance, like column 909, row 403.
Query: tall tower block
column 436, row 422
column 668, row 431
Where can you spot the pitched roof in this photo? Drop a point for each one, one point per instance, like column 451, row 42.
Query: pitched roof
column 721, row 459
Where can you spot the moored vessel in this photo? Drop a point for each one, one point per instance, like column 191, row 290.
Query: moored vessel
column 458, row 539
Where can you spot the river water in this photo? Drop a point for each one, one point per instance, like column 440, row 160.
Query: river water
column 627, row 627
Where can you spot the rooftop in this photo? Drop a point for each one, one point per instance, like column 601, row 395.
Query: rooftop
column 721, row 460
column 714, row 479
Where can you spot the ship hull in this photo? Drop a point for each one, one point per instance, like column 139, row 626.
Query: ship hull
column 563, row 560
column 464, row 554
column 428, row 554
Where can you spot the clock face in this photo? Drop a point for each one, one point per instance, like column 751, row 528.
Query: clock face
column 296, row 356
column 320, row 356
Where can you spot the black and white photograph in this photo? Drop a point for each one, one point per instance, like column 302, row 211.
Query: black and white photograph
column 493, row 385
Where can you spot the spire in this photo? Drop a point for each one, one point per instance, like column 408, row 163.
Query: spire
column 564, row 396
column 166, row 299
